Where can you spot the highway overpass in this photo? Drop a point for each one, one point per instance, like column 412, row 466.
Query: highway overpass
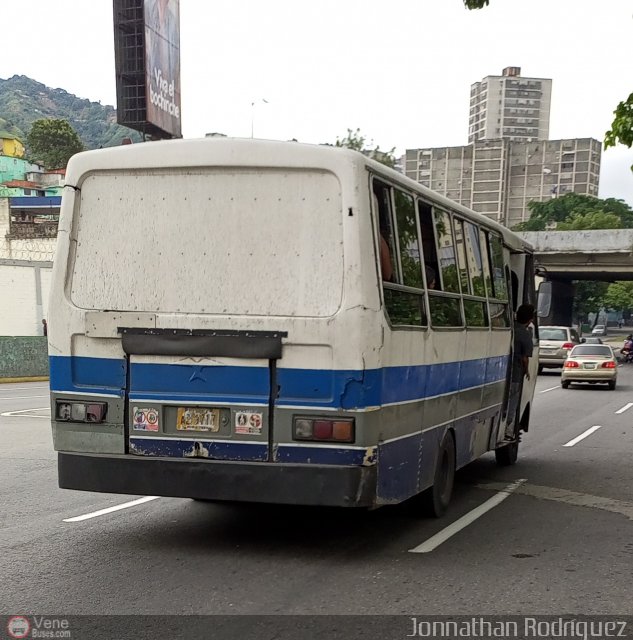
column 605, row 255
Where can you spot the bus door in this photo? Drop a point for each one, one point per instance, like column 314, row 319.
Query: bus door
column 200, row 393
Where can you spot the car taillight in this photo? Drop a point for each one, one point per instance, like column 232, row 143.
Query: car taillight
column 608, row 365
column 81, row 411
column 568, row 345
column 320, row 430
column 571, row 364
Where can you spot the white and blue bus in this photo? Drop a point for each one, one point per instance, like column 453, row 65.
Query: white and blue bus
column 261, row 321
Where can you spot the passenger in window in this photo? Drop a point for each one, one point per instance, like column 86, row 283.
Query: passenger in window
column 386, row 266
column 430, row 277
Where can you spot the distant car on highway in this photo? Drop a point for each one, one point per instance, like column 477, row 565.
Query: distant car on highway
column 590, row 363
column 599, row 330
column 555, row 343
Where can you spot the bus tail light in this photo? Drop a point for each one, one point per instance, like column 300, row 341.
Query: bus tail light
column 320, row 430
column 571, row 364
column 81, row 411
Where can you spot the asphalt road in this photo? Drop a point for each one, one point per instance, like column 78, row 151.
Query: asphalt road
column 562, row 542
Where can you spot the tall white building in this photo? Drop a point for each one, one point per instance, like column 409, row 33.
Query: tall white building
column 509, row 160
column 510, row 106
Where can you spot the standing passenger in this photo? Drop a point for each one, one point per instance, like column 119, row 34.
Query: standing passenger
column 522, row 350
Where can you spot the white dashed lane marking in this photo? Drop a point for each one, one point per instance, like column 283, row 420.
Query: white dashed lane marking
column 118, row 507
column 582, row 436
column 436, row 540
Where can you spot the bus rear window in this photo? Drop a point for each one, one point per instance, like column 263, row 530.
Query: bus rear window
column 219, row 241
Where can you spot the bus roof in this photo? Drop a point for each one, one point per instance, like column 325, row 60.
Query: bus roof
column 225, row 151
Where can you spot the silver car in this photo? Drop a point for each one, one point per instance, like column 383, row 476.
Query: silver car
column 555, row 343
column 590, row 363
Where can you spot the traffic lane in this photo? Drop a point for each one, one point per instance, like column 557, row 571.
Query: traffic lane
column 163, row 542
column 600, row 462
column 527, row 556
column 555, row 408
column 230, row 547
column 30, row 501
column 287, row 545
column 17, row 397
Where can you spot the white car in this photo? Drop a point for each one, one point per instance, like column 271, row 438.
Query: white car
column 599, row 330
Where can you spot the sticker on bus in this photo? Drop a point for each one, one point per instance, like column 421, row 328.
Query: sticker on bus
column 248, row 423
column 145, row 419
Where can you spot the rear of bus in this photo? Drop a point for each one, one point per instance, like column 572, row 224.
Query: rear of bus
column 210, row 311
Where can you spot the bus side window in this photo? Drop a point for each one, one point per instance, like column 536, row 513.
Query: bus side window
column 499, row 308
column 399, row 256
column 425, row 216
column 382, row 206
column 447, row 254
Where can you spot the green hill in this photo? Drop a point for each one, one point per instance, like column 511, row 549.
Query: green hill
column 23, row 100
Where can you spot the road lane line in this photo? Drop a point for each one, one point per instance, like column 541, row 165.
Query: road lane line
column 20, row 397
column 550, row 389
column 582, row 436
column 102, row 512
column 18, row 414
column 440, row 537
column 10, row 389
column 625, row 407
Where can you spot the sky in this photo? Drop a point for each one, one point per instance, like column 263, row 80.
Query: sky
column 400, row 71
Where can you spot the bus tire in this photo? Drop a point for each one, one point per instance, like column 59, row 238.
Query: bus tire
column 508, row 454
column 435, row 500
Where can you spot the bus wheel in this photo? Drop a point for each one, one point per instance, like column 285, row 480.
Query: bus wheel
column 436, row 499
column 507, row 455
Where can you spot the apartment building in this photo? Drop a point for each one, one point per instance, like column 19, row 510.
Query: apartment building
column 510, row 106
column 500, row 177
column 509, row 161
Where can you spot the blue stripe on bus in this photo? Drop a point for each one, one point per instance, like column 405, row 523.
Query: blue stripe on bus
column 174, row 448
column 341, row 389
column 87, row 375
column 320, row 455
column 247, row 451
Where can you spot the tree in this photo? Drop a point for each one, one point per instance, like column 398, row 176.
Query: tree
column 590, row 220
column 356, row 141
column 52, row 142
column 619, row 297
column 588, row 298
column 622, row 127
column 576, row 211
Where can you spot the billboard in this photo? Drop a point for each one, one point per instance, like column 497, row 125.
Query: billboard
column 162, row 64
column 147, row 58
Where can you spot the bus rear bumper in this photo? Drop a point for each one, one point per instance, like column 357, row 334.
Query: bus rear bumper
column 268, row 482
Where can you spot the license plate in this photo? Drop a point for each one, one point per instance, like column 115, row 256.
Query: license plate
column 590, row 366
column 198, row 419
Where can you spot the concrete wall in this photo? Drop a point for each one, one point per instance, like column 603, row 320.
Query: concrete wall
column 30, row 249
column 24, row 290
column 25, row 274
column 23, row 357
